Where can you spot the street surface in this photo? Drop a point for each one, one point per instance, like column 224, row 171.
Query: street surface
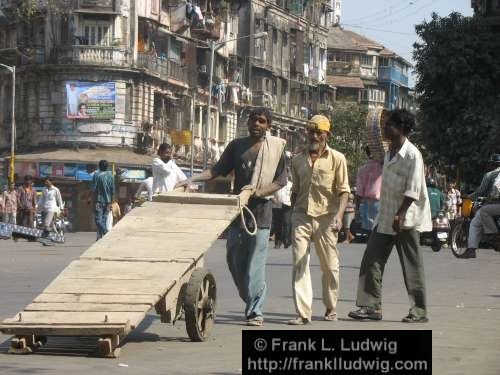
column 463, row 299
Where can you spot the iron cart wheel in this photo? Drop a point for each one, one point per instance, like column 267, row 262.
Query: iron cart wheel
column 199, row 304
column 459, row 236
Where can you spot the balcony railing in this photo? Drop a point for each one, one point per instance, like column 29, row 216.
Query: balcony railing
column 162, row 67
column 93, row 55
column 391, row 74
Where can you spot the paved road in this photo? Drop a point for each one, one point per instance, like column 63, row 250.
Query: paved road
column 464, row 309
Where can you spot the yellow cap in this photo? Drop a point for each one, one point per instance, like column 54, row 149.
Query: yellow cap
column 319, row 122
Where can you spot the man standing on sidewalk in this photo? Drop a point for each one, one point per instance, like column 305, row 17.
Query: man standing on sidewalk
column 166, row 174
column 10, row 204
column 319, row 197
column 404, row 212
column 103, row 186
column 26, row 202
column 259, row 166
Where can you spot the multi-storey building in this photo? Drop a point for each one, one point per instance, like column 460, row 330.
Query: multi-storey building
column 489, row 9
column 364, row 71
column 105, row 79
column 287, row 70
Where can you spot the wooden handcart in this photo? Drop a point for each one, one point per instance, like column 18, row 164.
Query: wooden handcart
column 152, row 258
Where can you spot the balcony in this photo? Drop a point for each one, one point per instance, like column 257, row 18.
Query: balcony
column 93, row 55
column 391, row 74
column 210, row 29
column 162, row 68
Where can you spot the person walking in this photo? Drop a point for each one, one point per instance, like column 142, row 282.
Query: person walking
column 436, row 197
column 404, row 211
column 103, row 186
column 259, row 166
column 368, row 184
column 166, row 174
column 26, row 203
column 319, row 197
column 10, row 204
column 349, row 214
column 50, row 204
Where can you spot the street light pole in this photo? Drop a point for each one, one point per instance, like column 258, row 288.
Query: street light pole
column 212, row 46
column 12, row 69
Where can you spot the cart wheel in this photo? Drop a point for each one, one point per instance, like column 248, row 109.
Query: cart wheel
column 199, row 304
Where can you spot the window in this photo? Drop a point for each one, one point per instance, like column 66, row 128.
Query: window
column 285, row 40
column 366, row 60
column 342, row 56
column 384, row 61
column 164, row 5
column 275, row 36
column 154, row 6
column 97, row 32
column 129, row 95
column 175, row 50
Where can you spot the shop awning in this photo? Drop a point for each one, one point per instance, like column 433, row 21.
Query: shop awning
column 343, row 81
column 120, row 157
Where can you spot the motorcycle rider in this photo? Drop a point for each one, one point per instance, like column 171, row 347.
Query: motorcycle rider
column 483, row 220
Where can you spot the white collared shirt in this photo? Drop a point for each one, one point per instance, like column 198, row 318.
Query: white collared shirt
column 166, row 175
column 51, row 200
column 404, row 176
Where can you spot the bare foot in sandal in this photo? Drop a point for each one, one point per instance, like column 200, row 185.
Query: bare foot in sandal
column 330, row 316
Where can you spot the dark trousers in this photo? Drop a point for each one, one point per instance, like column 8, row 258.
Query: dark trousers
column 282, row 224
column 377, row 252
column 27, row 218
column 101, row 216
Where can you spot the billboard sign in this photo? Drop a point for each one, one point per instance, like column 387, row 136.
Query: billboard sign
column 90, row 100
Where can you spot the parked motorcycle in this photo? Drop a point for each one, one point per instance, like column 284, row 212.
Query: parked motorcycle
column 460, row 231
column 440, row 232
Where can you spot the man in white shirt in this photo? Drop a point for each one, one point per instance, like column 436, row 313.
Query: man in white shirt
column 50, row 203
column 404, row 212
column 166, row 174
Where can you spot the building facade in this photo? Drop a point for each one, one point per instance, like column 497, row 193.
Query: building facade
column 138, row 70
column 363, row 71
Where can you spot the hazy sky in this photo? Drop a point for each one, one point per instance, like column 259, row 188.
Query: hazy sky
column 392, row 22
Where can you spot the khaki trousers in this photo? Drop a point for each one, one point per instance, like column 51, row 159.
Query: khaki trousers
column 307, row 229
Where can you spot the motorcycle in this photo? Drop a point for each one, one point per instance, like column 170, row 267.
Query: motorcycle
column 440, row 233
column 460, row 231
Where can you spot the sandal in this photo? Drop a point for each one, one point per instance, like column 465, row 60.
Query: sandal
column 255, row 322
column 299, row 321
column 331, row 316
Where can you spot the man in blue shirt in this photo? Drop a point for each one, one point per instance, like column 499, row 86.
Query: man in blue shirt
column 103, row 186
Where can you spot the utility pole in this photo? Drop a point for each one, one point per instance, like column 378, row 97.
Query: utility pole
column 12, row 69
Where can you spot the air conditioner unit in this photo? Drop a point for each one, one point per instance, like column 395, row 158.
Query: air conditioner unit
column 203, row 68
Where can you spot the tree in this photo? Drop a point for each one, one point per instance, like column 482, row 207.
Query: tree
column 458, row 75
column 348, row 128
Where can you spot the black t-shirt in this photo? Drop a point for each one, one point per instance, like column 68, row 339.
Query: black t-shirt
column 240, row 158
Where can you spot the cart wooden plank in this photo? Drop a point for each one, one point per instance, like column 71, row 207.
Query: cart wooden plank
column 174, row 210
column 173, row 225
column 198, row 198
column 65, row 318
column 151, row 247
column 111, row 287
column 128, row 299
column 119, row 270
column 96, row 307
column 65, row 329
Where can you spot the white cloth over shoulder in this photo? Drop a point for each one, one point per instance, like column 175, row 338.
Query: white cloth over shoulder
column 166, row 175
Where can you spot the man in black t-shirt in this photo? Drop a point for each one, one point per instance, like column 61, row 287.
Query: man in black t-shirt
column 246, row 254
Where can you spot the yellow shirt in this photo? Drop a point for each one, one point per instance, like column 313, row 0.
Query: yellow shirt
column 318, row 186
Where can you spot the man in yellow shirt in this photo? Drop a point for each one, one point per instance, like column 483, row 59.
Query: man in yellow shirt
column 319, row 197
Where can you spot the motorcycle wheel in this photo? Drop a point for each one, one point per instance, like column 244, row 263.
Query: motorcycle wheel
column 458, row 237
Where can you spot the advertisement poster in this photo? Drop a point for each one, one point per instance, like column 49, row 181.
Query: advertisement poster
column 69, row 170
column 45, row 169
column 26, row 168
column 90, row 100
column 181, row 137
column 58, row 170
